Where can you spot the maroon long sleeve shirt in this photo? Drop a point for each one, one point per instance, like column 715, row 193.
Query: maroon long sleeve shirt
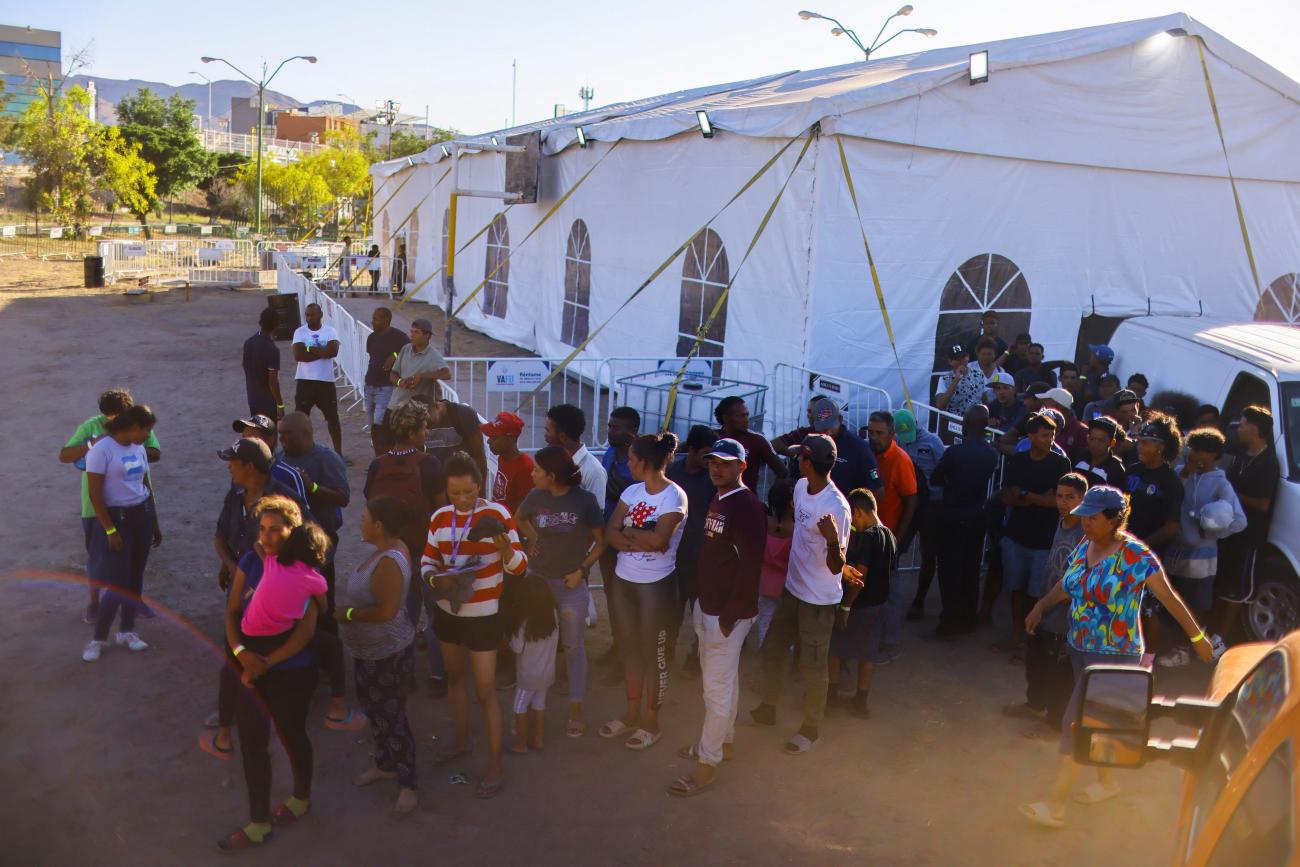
column 731, row 556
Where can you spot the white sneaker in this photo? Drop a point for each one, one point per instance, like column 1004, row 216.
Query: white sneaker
column 92, row 651
column 131, row 640
column 1217, row 645
column 1175, row 658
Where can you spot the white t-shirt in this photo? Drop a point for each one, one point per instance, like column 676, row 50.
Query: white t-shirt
column 594, row 477
column 643, row 511
column 123, row 469
column 807, row 577
column 323, row 369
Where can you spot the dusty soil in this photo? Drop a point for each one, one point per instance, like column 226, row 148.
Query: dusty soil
column 100, row 763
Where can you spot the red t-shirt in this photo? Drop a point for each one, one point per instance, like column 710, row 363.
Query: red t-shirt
column 759, row 452
column 899, row 479
column 513, row 481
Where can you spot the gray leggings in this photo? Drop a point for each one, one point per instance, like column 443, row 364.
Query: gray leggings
column 644, row 614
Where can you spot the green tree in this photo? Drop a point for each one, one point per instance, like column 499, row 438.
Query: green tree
column 405, row 143
column 54, row 136
column 164, row 129
column 299, row 194
column 7, row 123
column 221, row 189
column 122, row 171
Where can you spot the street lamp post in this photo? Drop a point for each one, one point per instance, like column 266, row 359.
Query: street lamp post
column 386, row 112
column 209, row 81
column 840, row 30
column 261, row 112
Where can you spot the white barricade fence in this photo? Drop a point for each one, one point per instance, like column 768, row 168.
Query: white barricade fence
column 793, row 387
column 199, row 260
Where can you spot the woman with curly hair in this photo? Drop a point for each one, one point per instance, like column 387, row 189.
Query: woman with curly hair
column 406, row 473
column 271, row 612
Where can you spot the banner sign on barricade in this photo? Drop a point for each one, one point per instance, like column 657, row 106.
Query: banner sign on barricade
column 522, row 374
column 95, row 231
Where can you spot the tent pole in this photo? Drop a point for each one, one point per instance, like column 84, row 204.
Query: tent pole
column 451, row 272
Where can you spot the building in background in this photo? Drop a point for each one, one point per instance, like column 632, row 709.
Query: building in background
column 313, row 127
column 243, row 116
column 28, row 55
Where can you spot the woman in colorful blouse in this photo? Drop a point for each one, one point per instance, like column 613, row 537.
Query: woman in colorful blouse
column 1103, row 583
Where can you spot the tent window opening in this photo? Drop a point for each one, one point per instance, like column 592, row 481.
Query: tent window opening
column 1280, row 302
column 988, row 281
column 497, row 269
column 705, row 273
column 412, row 247
column 576, row 314
column 442, row 257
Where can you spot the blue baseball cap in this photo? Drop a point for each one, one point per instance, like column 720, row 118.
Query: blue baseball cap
column 1102, row 351
column 1099, row 499
column 727, row 449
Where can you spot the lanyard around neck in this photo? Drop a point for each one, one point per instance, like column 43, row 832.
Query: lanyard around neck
column 455, row 538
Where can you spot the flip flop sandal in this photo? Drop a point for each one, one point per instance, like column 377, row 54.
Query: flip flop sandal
column 797, row 745
column 448, row 754
column 642, row 740
column 485, row 790
column 687, row 787
column 1040, row 814
column 237, row 840
column 281, row 815
column 614, row 728
column 355, row 721
column 213, row 721
column 1095, row 793
column 575, row 728
column 208, row 743
column 692, row 753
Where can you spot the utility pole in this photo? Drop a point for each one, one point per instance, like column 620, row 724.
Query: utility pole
column 586, row 93
column 514, row 80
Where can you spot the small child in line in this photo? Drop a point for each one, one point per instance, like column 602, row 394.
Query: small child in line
column 860, row 618
column 533, row 626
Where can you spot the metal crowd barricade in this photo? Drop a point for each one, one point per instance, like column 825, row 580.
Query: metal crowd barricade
column 204, row 260
column 793, row 387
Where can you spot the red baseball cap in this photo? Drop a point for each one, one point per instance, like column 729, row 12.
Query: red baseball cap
column 505, row 424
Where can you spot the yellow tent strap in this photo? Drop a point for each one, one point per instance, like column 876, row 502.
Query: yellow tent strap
column 663, row 266
column 875, row 276
column 558, row 204
column 1241, row 215
column 722, row 298
column 411, row 293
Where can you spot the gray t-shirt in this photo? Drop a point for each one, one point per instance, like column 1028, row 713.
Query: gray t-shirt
column 123, row 469
column 375, row 640
column 564, row 526
column 1058, row 556
column 409, row 363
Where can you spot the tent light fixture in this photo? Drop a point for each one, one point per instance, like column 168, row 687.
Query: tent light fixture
column 979, row 67
column 706, row 126
column 582, row 137
column 494, row 140
column 446, row 151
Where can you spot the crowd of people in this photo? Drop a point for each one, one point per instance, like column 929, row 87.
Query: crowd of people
column 1112, row 533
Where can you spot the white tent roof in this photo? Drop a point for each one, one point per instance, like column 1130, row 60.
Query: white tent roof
column 879, row 100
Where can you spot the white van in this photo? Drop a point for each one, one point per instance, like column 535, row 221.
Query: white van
column 1232, row 365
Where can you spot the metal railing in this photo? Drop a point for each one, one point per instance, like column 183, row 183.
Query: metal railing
column 281, row 150
column 793, row 387
column 219, row 260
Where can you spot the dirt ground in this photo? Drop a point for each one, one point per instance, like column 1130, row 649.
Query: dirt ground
column 100, row 762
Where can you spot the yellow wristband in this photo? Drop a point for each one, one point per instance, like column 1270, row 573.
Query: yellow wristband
column 110, row 531
column 347, row 615
column 1198, row 637
column 239, row 648
column 314, row 487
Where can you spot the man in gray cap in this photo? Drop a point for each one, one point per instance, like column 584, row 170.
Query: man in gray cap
column 418, row 368
column 855, row 463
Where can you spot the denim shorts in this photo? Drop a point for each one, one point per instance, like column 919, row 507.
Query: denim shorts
column 377, row 397
column 1023, row 568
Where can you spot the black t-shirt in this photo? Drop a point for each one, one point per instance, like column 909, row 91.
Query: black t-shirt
column 380, row 347
column 1033, row 526
column 1256, row 477
column 699, row 494
column 1106, row 472
column 1155, row 498
column 1027, row 376
column 1005, row 418
column 963, row 473
column 564, row 526
column 261, row 356
column 872, row 550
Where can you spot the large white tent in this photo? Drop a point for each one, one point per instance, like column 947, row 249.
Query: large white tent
column 1085, row 178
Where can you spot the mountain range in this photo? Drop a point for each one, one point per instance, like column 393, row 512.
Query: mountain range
column 109, row 91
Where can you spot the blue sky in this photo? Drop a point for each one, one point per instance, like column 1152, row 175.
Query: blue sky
column 455, row 57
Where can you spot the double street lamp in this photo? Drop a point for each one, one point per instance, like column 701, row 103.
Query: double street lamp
column 876, row 44
column 261, row 112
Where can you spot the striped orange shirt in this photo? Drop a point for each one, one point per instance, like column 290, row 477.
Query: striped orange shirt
column 448, row 546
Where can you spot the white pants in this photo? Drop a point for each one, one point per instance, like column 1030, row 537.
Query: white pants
column 720, row 670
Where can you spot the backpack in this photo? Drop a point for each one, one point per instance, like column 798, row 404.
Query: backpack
column 399, row 476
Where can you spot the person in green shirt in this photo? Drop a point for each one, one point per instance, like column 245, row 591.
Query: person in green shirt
column 111, row 402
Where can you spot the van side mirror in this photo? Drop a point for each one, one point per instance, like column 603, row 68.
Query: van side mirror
column 1114, row 719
